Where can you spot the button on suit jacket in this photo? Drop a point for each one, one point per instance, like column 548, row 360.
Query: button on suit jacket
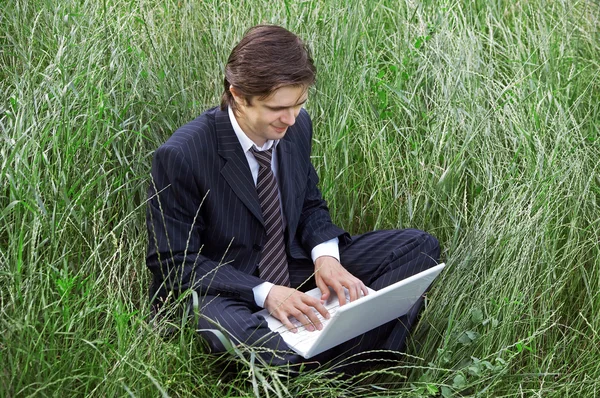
column 205, row 225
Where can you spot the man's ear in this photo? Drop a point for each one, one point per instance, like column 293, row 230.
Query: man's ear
column 237, row 96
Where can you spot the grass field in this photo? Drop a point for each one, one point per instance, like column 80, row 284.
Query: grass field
column 478, row 121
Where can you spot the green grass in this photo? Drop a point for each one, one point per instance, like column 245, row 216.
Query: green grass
column 476, row 121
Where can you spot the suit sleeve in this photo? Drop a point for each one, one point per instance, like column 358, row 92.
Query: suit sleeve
column 315, row 225
column 174, row 221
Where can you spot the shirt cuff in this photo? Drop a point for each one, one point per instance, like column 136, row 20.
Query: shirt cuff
column 261, row 292
column 329, row 248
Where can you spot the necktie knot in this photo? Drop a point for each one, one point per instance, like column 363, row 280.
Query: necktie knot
column 263, row 157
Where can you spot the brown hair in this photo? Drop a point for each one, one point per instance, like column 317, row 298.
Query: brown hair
column 268, row 57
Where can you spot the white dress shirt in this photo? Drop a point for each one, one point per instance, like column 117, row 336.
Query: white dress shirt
column 329, row 248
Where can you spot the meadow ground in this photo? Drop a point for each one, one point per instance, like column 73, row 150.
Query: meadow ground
column 476, row 121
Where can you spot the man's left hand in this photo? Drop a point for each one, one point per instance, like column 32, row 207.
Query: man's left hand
column 330, row 273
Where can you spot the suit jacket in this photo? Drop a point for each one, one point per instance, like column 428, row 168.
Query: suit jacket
column 204, row 220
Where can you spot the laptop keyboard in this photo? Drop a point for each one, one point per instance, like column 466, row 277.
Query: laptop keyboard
column 301, row 327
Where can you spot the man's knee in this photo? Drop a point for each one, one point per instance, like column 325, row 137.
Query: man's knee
column 226, row 324
column 430, row 246
column 268, row 347
column 418, row 247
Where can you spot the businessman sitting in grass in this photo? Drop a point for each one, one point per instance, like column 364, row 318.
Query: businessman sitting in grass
column 235, row 213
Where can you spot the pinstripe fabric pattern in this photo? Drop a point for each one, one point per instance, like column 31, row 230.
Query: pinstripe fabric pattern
column 205, row 225
column 273, row 262
column 379, row 258
column 206, row 232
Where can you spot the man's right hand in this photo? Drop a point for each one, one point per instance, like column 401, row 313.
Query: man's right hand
column 283, row 302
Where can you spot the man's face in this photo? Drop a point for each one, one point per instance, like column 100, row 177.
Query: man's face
column 269, row 119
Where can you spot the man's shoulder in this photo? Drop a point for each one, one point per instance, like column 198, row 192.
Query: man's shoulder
column 201, row 130
column 302, row 127
column 301, row 132
column 197, row 138
column 304, row 119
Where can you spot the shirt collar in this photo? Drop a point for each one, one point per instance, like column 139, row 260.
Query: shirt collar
column 245, row 141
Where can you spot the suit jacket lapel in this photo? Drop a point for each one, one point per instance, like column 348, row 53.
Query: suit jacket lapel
column 236, row 170
column 287, row 182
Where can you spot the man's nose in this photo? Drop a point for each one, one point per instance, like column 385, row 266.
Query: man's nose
column 288, row 117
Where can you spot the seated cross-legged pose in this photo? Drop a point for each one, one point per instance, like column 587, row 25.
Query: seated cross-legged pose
column 235, row 214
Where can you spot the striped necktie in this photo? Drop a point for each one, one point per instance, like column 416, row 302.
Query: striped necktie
column 273, row 263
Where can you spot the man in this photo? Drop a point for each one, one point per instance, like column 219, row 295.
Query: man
column 234, row 212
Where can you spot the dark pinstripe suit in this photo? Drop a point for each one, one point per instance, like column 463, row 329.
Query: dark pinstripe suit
column 206, row 230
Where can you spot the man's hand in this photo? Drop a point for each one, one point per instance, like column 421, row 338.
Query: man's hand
column 329, row 272
column 283, row 302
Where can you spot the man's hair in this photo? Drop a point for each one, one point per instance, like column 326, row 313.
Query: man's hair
column 268, row 57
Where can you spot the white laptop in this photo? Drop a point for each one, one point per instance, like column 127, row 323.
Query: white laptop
column 357, row 317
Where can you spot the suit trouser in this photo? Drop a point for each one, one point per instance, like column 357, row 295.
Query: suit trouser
column 378, row 258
